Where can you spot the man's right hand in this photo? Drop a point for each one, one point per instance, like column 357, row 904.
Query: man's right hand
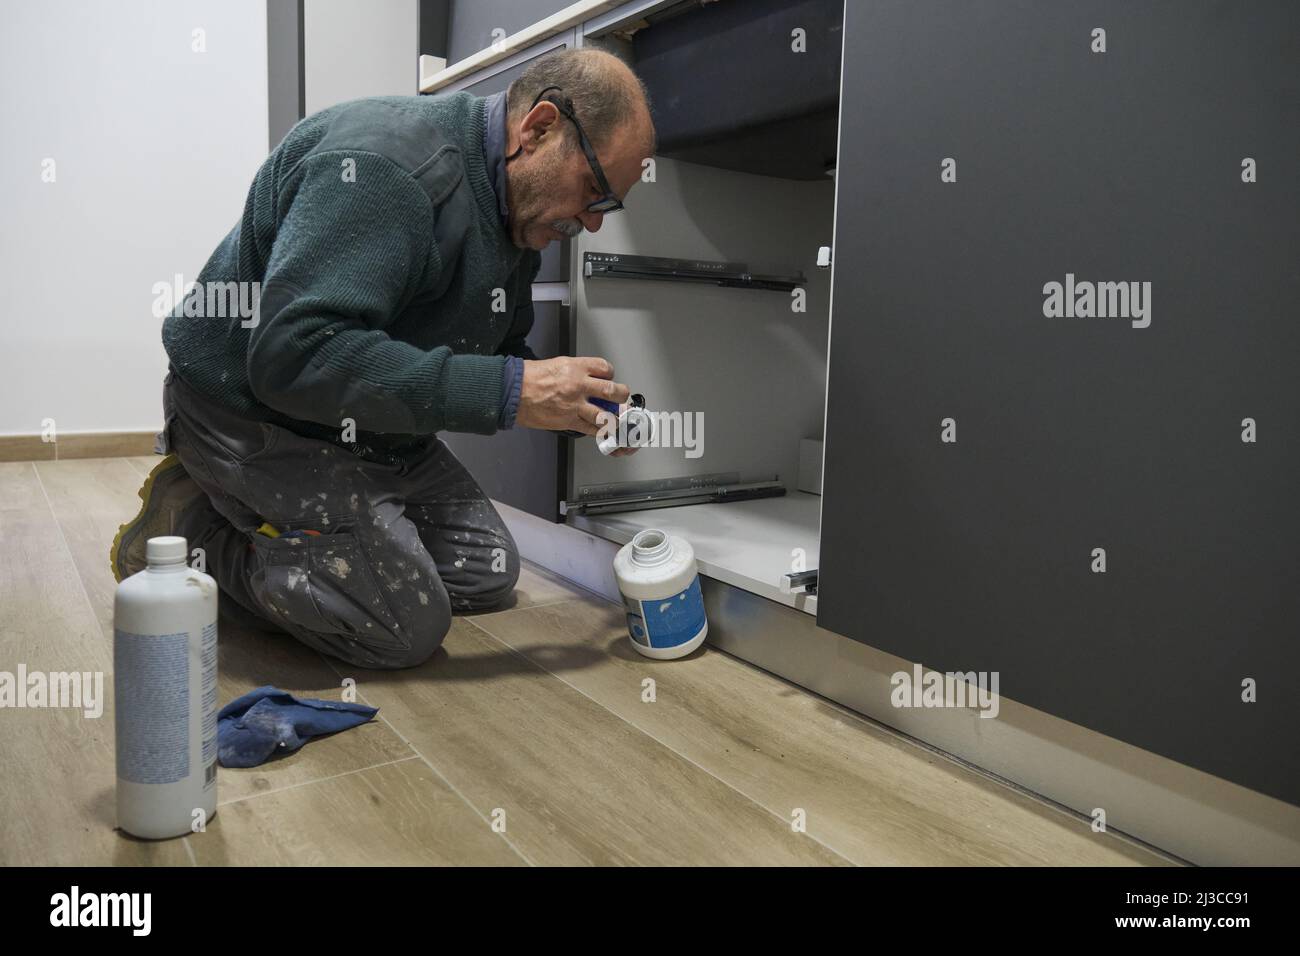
column 555, row 393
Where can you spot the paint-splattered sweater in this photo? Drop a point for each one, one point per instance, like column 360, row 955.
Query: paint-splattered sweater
column 389, row 291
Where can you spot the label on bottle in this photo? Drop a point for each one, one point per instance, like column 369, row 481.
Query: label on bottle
column 667, row 622
column 151, row 677
column 208, row 649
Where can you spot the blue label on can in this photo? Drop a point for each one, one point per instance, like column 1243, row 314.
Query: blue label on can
column 668, row 622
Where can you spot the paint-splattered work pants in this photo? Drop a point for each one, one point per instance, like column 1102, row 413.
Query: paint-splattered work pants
column 402, row 544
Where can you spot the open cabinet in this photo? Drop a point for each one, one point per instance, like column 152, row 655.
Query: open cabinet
column 742, row 188
column 745, row 367
column 743, row 183
column 969, row 156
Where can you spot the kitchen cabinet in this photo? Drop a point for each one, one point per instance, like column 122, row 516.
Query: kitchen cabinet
column 1094, row 503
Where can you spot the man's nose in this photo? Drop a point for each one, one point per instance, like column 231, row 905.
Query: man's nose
column 591, row 220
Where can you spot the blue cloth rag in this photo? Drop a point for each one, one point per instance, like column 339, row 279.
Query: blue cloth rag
column 268, row 720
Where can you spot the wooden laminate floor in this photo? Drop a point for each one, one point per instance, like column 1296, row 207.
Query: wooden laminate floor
column 527, row 739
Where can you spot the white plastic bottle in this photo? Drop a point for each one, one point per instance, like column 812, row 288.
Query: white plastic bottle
column 165, row 695
column 661, row 592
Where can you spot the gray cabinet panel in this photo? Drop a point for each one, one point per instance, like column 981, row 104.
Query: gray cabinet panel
column 1074, row 433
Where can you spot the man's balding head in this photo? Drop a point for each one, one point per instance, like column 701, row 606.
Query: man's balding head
column 551, row 184
column 608, row 98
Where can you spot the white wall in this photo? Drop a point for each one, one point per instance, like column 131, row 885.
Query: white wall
column 154, row 147
column 355, row 48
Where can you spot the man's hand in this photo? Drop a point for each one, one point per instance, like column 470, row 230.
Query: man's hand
column 555, row 393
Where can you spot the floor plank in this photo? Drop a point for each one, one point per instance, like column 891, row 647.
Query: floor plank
column 869, row 794
column 399, row 814
column 577, row 784
column 536, row 586
column 91, row 498
column 143, row 463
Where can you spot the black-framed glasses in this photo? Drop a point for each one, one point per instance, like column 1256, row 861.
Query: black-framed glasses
column 608, row 202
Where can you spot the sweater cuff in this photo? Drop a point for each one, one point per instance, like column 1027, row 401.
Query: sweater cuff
column 512, row 386
column 472, row 393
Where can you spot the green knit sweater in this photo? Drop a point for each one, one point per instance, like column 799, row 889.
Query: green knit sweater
column 389, row 290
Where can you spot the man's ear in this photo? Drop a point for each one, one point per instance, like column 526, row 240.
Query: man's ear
column 537, row 123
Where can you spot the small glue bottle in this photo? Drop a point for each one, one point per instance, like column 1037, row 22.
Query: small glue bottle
column 634, row 429
column 165, row 695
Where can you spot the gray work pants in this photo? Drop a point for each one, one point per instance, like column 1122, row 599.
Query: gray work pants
column 402, row 544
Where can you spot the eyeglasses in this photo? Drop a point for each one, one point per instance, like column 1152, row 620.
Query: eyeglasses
column 608, row 202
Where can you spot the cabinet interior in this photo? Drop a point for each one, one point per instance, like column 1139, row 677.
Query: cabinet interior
column 742, row 363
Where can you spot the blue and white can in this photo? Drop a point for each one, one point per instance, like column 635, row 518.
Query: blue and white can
column 660, row 584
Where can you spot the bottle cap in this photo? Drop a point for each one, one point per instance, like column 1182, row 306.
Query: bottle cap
column 167, row 549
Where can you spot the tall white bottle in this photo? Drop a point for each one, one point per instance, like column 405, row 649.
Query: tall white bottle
column 165, row 695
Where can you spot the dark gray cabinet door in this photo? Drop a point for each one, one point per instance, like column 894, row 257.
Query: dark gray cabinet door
column 1077, row 436
column 524, row 467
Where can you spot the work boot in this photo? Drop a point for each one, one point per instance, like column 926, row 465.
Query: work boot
column 168, row 498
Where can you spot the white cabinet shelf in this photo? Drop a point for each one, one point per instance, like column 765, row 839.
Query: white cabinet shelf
column 748, row 544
